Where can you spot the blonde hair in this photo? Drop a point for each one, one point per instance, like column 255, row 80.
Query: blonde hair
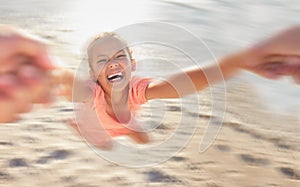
column 101, row 36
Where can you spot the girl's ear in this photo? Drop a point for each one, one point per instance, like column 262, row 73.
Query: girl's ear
column 133, row 65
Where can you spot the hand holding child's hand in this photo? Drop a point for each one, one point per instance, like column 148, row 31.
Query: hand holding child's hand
column 278, row 66
column 286, row 42
column 278, row 56
column 63, row 81
column 24, row 72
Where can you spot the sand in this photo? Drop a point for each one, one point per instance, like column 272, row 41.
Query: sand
column 40, row 150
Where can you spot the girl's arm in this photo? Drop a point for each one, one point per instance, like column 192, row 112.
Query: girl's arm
column 272, row 58
column 195, row 79
column 71, row 87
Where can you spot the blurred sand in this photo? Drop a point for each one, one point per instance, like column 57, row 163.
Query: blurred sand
column 41, row 151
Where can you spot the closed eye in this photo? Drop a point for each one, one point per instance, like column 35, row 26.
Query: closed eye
column 102, row 61
column 120, row 56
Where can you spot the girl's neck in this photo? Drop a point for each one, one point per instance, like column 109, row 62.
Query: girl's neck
column 117, row 104
column 116, row 97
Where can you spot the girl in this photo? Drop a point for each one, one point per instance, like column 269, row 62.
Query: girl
column 116, row 95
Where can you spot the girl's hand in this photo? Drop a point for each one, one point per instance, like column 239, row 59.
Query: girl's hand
column 62, row 81
column 277, row 56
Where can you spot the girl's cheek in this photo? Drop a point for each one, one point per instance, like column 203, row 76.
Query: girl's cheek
column 99, row 71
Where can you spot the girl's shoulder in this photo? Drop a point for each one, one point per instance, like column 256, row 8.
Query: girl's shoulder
column 139, row 81
column 137, row 93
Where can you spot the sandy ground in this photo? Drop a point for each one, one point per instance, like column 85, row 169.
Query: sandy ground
column 40, row 150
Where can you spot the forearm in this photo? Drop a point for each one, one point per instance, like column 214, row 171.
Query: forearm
column 72, row 88
column 81, row 91
column 195, row 79
column 225, row 68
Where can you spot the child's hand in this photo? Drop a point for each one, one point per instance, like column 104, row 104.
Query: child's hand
column 278, row 56
column 274, row 67
column 62, row 81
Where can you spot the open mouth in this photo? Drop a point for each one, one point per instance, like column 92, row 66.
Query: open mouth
column 115, row 77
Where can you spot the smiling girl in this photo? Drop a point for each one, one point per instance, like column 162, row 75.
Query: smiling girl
column 117, row 95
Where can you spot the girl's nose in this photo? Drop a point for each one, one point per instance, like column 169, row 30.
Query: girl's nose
column 113, row 64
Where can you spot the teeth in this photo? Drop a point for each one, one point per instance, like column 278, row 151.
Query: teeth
column 113, row 75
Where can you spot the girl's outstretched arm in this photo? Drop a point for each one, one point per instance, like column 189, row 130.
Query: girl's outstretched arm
column 71, row 87
column 272, row 58
column 195, row 79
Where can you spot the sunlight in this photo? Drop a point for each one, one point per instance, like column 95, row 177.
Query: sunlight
column 91, row 17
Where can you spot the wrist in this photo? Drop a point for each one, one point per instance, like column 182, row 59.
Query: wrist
column 239, row 60
column 233, row 63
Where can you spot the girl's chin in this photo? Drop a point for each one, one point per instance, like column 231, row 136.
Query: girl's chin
column 119, row 86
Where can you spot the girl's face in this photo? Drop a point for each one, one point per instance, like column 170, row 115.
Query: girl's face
column 111, row 64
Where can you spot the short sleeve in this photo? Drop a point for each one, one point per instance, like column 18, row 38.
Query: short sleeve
column 138, row 88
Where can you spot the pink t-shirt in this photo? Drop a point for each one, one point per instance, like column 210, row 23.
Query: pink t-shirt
column 137, row 97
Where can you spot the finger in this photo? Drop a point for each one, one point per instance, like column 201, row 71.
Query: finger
column 270, row 70
column 16, row 41
column 36, row 51
column 8, row 111
column 37, row 82
column 276, row 66
column 30, row 75
column 273, row 70
column 12, row 99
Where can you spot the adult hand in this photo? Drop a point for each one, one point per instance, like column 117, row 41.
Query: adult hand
column 24, row 72
column 277, row 56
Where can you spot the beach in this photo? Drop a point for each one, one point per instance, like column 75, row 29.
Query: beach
column 252, row 126
column 40, row 150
